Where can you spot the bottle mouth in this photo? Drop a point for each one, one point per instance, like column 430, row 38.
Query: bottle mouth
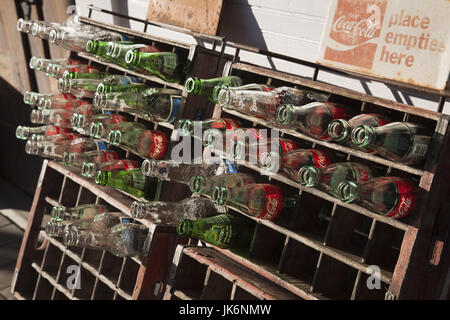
column 130, row 57
column 74, row 120
column 37, row 116
column 362, row 135
column 219, row 195
column 30, row 97
column 99, row 98
column 70, row 238
column 54, row 228
column 22, row 132
column 138, row 209
column 44, row 104
column 64, row 85
column 190, row 85
column 91, row 45
column 223, row 97
column 149, row 167
column 35, row 29
column 20, row 24
column 269, row 161
column 31, row 147
column 185, row 127
column 34, row 62
column 110, row 48
column 88, row 169
column 55, row 36
column 347, row 191
column 68, row 158
column 284, row 114
column 93, row 131
column 101, row 178
column 114, row 137
column 308, row 176
column 57, row 213
column 197, row 184
column 184, row 227
column 339, row 129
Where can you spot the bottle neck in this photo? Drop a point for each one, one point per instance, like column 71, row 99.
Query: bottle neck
column 339, row 130
column 363, row 136
column 92, row 46
column 198, row 184
column 270, row 161
column 39, row 116
column 348, row 191
column 285, row 114
column 185, row 227
column 193, row 86
column 101, row 178
column 30, row 97
column 55, row 228
column 23, row 132
column 69, row 159
column 150, row 167
column 220, row 195
column 309, row 176
column 88, row 169
column 84, row 239
column 224, row 96
column 132, row 57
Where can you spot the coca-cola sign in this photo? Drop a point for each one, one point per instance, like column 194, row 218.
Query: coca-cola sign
column 402, row 40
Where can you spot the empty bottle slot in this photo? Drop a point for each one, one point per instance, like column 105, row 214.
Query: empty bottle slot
column 241, row 294
column 87, row 282
column 370, row 288
column 129, row 276
column 70, row 273
column 216, row 288
column 52, row 260
column 190, row 277
column 111, row 266
column 103, row 292
column 92, row 257
column 267, row 246
column 44, row 290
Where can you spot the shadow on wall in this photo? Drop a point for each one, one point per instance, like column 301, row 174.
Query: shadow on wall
column 122, row 7
column 18, row 170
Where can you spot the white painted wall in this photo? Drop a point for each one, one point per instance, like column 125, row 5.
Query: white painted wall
column 290, row 27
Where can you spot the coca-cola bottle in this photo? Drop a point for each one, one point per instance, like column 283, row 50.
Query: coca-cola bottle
column 25, row 133
column 58, row 102
column 121, row 83
column 175, row 171
column 41, row 64
column 83, row 123
column 262, row 103
column 57, row 70
column 389, row 196
column 264, row 201
column 131, row 181
column 76, row 159
column 146, row 143
column 164, row 65
column 185, row 127
column 79, row 87
column 223, row 231
column 56, row 149
column 209, row 88
column 32, row 98
column 56, row 137
column 290, row 163
column 154, row 104
column 312, row 119
column 99, row 49
column 205, row 185
column 24, row 25
column 340, row 130
column 171, row 212
column 402, row 142
column 102, row 130
column 42, row 29
column 58, row 117
column 329, row 178
column 89, row 169
column 118, row 52
column 122, row 240
column 85, row 211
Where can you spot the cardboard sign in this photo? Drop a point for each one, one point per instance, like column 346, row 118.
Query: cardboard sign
column 403, row 40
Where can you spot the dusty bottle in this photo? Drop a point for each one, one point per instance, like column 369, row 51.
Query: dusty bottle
column 312, row 119
column 402, row 142
column 89, row 169
column 83, row 123
column 118, row 51
column 122, row 240
column 209, row 88
column 389, row 196
column 56, row 149
column 205, row 185
column 164, row 65
column 171, row 212
column 74, row 159
column 117, row 83
column 224, row 231
column 102, row 130
column 175, row 171
column 185, row 127
column 131, row 181
column 262, row 104
column 25, row 133
column 146, row 143
column 154, row 104
column 264, row 201
column 290, row 163
column 85, row 211
column 58, row 117
column 329, row 178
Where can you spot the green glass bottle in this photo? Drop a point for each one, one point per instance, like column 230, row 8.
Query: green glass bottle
column 86, row 75
column 118, row 51
column 132, row 181
column 119, row 83
column 164, row 65
column 224, row 231
column 98, row 48
column 209, row 88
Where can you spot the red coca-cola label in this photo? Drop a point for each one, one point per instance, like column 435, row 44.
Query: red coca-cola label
column 108, row 155
column 273, row 203
column 159, row 145
column 51, row 131
column 116, row 118
column 287, row 145
column 321, row 159
column 71, row 62
column 407, row 194
column 230, row 124
column 121, row 165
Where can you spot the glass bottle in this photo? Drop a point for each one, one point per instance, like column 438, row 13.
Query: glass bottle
column 25, row 133
column 56, row 149
column 102, row 130
column 41, row 64
column 89, row 169
column 122, row 240
column 99, row 49
column 154, row 104
column 171, row 212
column 86, row 75
column 85, row 211
column 118, row 51
column 164, row 65
column 59, row 102
column 58, row 117
column 131, row 181
column 57, row 71
column 76, row 40
column 55, row 138
column 209, row 88
column 290, row 163
column 262, row 104
column 32, row 98
column 83, row 123
column 24, row 25
column 392, row 197
column 118, row 83
column 402, row 142
column 329, row 178
column 76, row 159
column 146, row 143
column 312, row 119
column 185, row 127
column 205, row 185
column 80, row 88
column 175, row 171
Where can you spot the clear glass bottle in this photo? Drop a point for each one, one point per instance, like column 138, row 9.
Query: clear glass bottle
column 171, row 212
column 131, row 181
column 102, row 130
column 89, row 169
column 402, row 142
column 55, row 138
column 83, row 123
column 77, row 159
column 32, row 98
column 80, row 88
column 329, row 178
column 59, row 102
column 121, row 83
column 392, row 197
column 209, row 88
column 76, row 40
column 85, row 211
column 57, row 71
column 25, row 133
column 311, row 119
column 58, row 117
column 56, row 149
column 185, row 127
column 164, row 65
column 24, row 25
column 175, row 171
column 205, row 185
column 224, row 231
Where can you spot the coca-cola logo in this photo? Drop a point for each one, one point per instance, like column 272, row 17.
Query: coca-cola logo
column 364, row 175
column 272, row 206
column 321, row 159
column 405, row 204
column 159, row 146
column 363, row 28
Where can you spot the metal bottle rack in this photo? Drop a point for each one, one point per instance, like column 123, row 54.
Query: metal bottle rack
column 323, row 253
